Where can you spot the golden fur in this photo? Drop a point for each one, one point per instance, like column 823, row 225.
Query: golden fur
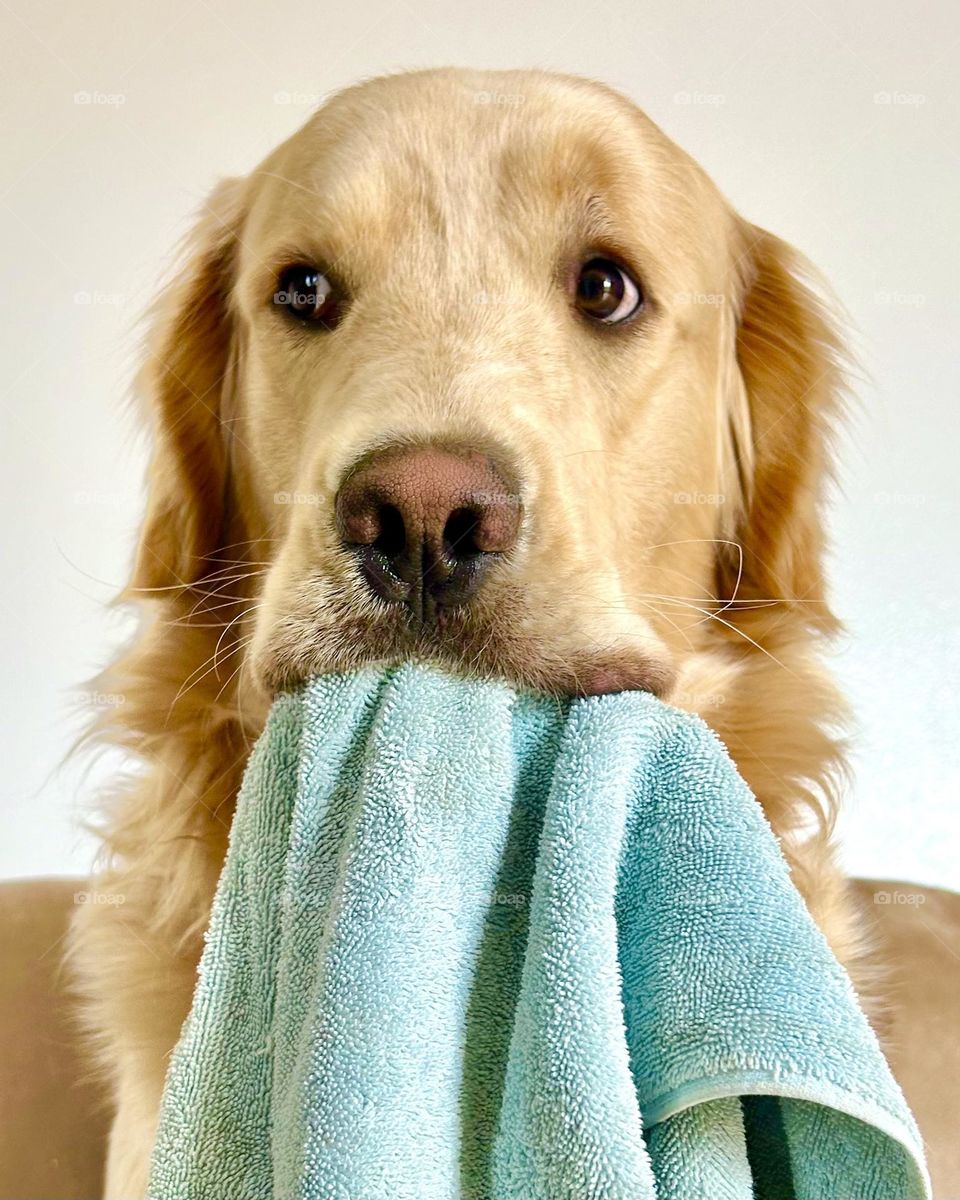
column 672, row 478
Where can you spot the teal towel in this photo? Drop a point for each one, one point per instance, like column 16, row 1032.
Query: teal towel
column 475, row 945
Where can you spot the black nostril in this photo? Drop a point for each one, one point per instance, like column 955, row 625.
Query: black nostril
column 459, row 534
column 391, row 541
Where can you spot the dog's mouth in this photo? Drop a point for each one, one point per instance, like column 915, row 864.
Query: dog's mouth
column 501, row 642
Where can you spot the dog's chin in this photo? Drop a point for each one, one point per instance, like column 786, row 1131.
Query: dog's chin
column 295, row 651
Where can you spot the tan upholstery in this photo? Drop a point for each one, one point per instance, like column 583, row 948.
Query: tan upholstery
column 53, row 1117
column 918, row 942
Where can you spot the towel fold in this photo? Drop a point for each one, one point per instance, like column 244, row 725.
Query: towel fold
column 470, row 944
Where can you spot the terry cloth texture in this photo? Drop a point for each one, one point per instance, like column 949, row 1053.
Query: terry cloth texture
column 471, row 944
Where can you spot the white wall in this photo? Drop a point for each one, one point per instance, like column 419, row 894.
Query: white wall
column 836, row 126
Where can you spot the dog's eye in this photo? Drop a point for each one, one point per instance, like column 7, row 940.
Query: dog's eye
column 307, row 294
column 606, row 292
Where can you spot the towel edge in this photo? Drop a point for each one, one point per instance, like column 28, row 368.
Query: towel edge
column 739, row 1083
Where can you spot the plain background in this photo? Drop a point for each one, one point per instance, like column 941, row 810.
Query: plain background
column 836, row 126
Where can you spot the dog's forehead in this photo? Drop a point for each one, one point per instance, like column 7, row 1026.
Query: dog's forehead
column 462, row 118
column 456, row 169
column 461, row 149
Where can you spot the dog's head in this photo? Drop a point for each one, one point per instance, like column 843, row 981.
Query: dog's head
column 481, row 367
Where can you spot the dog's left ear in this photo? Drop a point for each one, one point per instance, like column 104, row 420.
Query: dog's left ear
column 183, row 380
column 789, row 359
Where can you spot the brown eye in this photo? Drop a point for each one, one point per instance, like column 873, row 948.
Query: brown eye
column 606, row 292
column 307, row 294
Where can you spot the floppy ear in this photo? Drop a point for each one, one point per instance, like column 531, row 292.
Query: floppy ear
column 789, row 358
column 183, row 379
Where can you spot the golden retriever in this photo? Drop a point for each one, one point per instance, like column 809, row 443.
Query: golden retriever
column 480, row 368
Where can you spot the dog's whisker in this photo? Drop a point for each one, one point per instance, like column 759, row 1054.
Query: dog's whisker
column 202, row 604
column 233, row 675
column 239, row 617
column 256, row 541
column 204, row 610
column 209, row 664
column 246, row 562
column 659, row 613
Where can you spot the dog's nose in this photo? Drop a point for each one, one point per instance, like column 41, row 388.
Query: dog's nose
column 425, row 522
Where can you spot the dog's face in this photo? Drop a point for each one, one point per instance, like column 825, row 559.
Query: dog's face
column 463, row 368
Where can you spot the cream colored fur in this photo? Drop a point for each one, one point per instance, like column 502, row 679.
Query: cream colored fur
column 672, row 475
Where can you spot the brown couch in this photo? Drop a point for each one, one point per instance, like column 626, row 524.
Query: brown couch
column 53, row 1115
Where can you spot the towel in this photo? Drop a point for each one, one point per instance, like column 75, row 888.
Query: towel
column 475, row 944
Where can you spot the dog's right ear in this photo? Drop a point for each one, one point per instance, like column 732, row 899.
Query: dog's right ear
column 187, row 368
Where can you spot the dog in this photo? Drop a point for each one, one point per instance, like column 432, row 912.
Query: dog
column 477, row 368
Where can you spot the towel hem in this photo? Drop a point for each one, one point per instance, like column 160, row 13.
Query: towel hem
column 740, row 1083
